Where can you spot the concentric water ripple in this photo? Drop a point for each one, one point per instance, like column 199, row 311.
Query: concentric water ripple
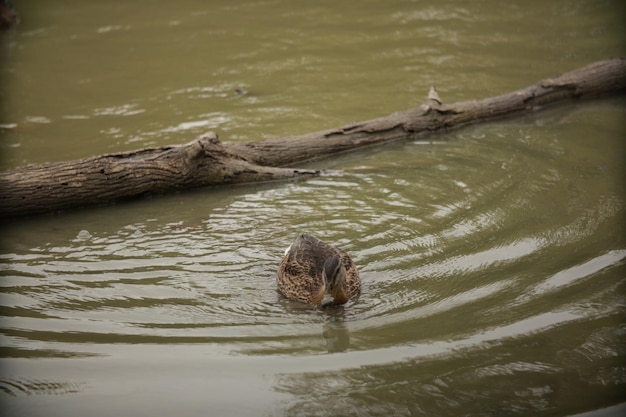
column 437, row 229
column 493, row 257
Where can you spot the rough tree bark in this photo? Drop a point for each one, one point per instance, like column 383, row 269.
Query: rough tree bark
column 206, row 161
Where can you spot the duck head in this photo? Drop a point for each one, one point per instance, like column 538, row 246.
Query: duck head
column 334, row 274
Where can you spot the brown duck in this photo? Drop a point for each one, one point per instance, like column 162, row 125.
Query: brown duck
column 311, row 269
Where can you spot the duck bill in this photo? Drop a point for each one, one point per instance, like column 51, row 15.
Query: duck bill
column 333, row 291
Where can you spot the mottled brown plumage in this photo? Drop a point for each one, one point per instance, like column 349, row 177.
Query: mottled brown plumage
column 311, row 269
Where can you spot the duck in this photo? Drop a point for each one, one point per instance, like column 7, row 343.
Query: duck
column 317, row 273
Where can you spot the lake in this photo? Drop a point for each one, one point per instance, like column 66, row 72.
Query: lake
column 493, row 257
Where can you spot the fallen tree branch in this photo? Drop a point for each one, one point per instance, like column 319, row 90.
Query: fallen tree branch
column 600, row 78
column 205, row 161
column 106, row 178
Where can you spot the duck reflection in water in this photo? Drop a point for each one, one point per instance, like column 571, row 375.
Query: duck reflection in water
column 337, row 336
column 317, row 273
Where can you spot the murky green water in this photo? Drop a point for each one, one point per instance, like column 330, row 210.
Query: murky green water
column 493, row 257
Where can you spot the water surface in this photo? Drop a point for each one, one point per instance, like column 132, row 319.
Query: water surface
column 493, row 257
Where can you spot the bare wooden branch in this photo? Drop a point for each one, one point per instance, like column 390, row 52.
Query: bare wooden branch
column 206, row 161
column 600, row 78
column 106, row 178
